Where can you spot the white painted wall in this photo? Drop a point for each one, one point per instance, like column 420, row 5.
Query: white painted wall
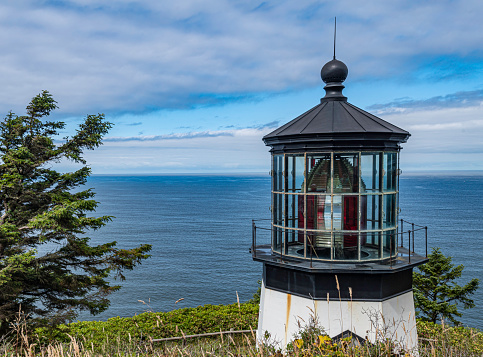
column 282, row 315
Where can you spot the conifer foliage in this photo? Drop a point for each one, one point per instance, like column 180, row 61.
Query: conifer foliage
column 48, row 268
column 436, row 292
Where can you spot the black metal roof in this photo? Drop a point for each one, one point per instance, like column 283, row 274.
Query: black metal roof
column 335, row 123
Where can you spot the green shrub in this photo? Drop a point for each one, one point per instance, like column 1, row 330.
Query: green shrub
column 190, row 321
column 445, row 340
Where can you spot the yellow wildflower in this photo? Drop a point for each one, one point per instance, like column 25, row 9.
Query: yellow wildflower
column 299, row 343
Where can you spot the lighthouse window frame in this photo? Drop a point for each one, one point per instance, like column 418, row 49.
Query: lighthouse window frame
column 389, row 218
column 390, row 172
column 295, row 172
column 277, row 173
column 363, row 208
column 370, row 171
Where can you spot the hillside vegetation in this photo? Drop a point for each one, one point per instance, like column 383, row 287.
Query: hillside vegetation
column 134, row 337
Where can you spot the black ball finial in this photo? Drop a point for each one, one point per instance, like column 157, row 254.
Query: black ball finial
column 334, row 71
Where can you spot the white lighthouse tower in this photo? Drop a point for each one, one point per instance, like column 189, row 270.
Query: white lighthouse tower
column 334, row 249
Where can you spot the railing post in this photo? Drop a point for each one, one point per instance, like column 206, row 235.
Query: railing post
column 311, row 249
column 402, row 232
column 409, row 247
column 273, row 238
column 281, row 245
column 426, row 239
column 390, row 249
column 413, row 237
column 254, row 239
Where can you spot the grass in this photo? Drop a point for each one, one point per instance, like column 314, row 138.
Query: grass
column 154, row 325
column 133, row 337
column 445, row 340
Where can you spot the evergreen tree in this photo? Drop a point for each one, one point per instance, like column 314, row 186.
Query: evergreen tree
column 436, row 293
column 48, row 268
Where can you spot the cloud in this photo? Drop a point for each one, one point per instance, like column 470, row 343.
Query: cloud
column 442, row 139
column 454, row 100
column 469, row 125
column 142, row 55
column 240, row 150
column 271, row 125
column 176, row 136
column 231, row 132
column 135, row 124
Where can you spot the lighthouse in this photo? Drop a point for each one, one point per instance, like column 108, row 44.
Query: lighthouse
column 336, row 251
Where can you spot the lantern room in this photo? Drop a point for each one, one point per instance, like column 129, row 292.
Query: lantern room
column 335, row 180
column 335, row 205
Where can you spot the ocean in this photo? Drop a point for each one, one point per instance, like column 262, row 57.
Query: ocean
column 200, row 230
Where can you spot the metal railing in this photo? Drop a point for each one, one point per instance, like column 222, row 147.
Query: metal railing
column 254, row 234
column 410, row 234
column 400, row 239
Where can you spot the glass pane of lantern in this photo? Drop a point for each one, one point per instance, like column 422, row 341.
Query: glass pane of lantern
column 299, row 221
column 319, row 224
column 292, row 237
column 278, row 173
column 318, row 245
column 317, row 212
column 371, row 245
column 293, row 210
column 351, row 213
column 274, row 208
column 318, row 173
column 389, row 243
column 370, row 172
column 310, row 241
column 295, row 173
column 389, row 217
column 346, row 173
column 277, row 209
column 337, row 212
column 276, row 238
column 345, row 246
column 338, row 246
column 322, row 241
column 300, row 212
column 301, row 240
column 295, row 243
column 346, row 243
column 390, row 170
column 370, row 218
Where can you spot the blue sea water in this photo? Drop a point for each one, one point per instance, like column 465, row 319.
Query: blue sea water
column 200, row 230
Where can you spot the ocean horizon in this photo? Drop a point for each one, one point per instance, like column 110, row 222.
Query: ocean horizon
column 259, row 173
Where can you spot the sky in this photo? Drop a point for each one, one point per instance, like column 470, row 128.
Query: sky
column 193, row 86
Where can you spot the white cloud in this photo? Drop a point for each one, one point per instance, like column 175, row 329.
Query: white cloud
column 470, row 125
column 176, row 136
column 445, row 139
column 239, row 150
column 453, row 100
